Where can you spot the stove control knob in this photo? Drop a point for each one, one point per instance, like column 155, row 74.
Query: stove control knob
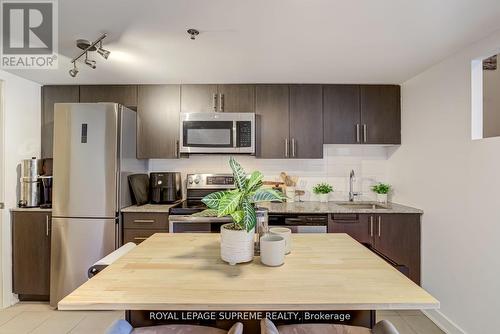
column 197, row 180
column 190, row 180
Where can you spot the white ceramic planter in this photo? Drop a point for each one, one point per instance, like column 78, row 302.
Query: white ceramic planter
column 323, row 198
column 382, row 198
column 236, row 246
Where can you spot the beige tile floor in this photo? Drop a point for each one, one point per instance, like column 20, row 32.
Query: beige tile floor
column 39, row 318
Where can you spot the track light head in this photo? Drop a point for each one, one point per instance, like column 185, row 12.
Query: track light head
column 103, row 52
column 90, row 63
column 74, row 71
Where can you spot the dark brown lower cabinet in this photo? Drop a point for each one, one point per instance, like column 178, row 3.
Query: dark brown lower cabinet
column 138, row 226
column 396, row 237
column 31, row 254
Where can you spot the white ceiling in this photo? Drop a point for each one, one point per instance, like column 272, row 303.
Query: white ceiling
column 324, row 41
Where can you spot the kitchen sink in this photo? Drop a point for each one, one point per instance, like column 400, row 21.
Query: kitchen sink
column 371, row 206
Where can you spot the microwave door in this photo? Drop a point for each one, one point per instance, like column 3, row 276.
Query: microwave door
column 208, row 136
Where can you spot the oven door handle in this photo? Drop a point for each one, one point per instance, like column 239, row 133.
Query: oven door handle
column 235, row 135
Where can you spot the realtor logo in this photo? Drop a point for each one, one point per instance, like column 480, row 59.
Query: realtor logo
column 29, row 34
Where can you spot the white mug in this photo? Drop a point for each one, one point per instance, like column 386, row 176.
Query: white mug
column 286, row 233
column 272, row 250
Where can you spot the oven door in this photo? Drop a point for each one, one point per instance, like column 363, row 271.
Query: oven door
column 217, row 133
column 189, row 224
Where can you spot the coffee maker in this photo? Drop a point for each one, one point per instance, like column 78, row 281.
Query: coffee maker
column 165, row 187
column 36, row 183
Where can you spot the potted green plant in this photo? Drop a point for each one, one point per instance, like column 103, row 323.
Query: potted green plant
column 237, row 238
column 323, row 190
column 382, row 190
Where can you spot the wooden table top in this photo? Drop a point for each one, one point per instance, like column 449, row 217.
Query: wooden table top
column 184, row 272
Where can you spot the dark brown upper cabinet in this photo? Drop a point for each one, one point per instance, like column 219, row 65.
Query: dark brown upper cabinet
column 219, row 98
column 381, row 114
column 306, row 122
column 366, row 114
column 289, row 121
column 158, row 110
column 31, row 254
column 122, row 94
column 198, row 98
column 236, row 98
column 272, row 128
column 342, row 114
column 51, row 95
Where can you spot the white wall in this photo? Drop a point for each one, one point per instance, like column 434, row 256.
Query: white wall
column 456, row 181
column 21, row 107
column 368, row 162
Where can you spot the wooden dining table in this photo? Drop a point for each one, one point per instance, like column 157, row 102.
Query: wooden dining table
column 173, row 274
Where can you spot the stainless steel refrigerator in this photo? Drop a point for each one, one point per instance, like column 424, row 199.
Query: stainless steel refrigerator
column 94, row 152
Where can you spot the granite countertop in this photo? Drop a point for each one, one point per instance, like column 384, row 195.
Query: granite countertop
column 296, row 207
column 151, row 208
column 30, row 210
column 334, row 207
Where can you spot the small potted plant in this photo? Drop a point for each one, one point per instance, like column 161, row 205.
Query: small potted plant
column 237, row 238
column 323, row 190
column 382, row 190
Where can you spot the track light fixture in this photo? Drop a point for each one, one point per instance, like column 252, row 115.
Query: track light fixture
column 103, row 52
column 87, row 47
column 74, row 71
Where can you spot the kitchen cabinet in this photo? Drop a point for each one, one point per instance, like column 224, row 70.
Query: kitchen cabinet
column 31, row 254
column 362, row 114
column 122, row 94
column 220, row 98
column 198, row 98
column 289, row 121
column 236, row 98
column 272, row 121
column 138, row 226
column 306, row 122
column 396, row 237
column 381, row 114
column 158, row 111
column 342, row 114
column 51, row 95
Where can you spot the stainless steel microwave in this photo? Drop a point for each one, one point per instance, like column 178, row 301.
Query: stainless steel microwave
column 217, row 132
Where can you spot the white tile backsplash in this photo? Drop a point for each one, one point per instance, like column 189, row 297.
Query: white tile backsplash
column 368, row 162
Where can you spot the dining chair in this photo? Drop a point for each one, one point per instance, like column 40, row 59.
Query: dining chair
column 123, row 327
column 382, row 327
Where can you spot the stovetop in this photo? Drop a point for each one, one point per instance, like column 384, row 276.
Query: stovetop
column 188, row 207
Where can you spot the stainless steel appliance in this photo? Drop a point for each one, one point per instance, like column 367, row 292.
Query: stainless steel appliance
column 300, row 223
column 165, row 187
column 217, row 132
column 30, row 194
column 198, row 186
column 94, row 152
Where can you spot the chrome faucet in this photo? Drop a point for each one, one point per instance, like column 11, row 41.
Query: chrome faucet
column 352, row 194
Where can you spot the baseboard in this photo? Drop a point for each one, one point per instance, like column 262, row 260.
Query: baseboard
column 443, row 322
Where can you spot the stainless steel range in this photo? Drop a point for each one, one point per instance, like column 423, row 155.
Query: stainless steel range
column 198, row 186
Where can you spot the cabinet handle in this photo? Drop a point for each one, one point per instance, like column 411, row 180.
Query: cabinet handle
column 140, row 238
column 358, row 134
column 47, row 225
column 379, row 225
column 286, row 147
column 293, row 147
column 214, row 103
column 364, row 132
column 221, row 102
column 371, row 226
column 144, row 221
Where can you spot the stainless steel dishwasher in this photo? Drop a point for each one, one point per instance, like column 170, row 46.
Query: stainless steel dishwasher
column 307, row 223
